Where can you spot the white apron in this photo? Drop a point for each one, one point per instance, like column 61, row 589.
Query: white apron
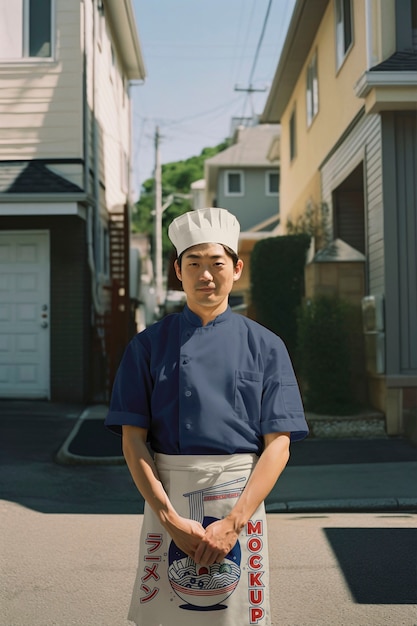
column 169, row 588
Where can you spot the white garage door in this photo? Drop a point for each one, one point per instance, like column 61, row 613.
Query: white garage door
column 24, row 314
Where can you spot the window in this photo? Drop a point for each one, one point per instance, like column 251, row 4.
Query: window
column 234, row 183
column 25, row 29
column 344, row 31
column 312, row 93
column 272, row 183
column 293, row 136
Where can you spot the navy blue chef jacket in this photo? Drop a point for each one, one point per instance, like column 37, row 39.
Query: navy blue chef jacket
column 213, row 389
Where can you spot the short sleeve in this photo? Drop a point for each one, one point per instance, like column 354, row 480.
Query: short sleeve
column 130, row 399
column 282, row 406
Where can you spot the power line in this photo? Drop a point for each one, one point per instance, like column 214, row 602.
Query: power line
column 181, row 120
column 250, row 89
column 245, row 41
column 260, row 42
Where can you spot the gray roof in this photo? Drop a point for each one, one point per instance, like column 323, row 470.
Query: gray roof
column 250, row 148
column 338, row 250
column 32, row 177
column 405, row 61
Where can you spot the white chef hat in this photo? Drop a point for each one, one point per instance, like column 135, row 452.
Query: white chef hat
column 211, row 225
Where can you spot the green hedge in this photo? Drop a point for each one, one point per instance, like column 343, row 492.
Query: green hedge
column 277, row 284
column 324, row 355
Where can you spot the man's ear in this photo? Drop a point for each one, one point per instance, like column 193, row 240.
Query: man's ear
column 177, row 269
column 238, row 270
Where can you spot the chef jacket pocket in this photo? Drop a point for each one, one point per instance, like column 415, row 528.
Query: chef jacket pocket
column 248, row 394
column 291, row 396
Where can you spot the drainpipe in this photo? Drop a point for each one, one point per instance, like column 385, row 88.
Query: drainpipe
column 91, row 206
column 96, row 221
column 369, row 34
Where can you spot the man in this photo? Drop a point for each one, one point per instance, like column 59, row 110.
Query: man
column 215, row 396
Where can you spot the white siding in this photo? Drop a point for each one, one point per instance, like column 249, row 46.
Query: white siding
column 111, row 113
column 362, row 144
column 41, row 102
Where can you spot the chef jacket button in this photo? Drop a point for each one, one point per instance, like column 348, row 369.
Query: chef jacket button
column 185, row 362
column 188, row 394
column 188, row 426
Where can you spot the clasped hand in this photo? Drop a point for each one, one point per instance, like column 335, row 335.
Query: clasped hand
column 205, row 545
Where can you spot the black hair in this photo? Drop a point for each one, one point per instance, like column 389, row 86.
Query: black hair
column 229, row 252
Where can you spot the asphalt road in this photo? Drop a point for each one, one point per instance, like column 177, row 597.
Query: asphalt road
column 68, row 545
column 326, row 570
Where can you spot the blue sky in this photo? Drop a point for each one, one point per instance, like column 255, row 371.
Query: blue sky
column 196, row 52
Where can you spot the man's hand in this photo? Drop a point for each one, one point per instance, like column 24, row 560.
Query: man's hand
column 219, row 539
column 186, row 534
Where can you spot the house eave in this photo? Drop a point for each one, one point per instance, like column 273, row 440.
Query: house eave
column 387, row 91
column 371, row 80
column 36, row 207
column 122, row 19
column 42, row 197
column 304, row 24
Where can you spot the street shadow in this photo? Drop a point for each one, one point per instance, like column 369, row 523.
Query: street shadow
column 32, row 434
column 379, row 564
column 347, row 451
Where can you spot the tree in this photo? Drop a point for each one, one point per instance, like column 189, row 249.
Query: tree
column 177, row 177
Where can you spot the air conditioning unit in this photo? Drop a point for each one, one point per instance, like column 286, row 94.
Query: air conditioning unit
column 373, row 322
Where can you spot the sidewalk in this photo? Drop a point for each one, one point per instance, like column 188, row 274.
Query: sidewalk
column 357, row 470
column 348, row 464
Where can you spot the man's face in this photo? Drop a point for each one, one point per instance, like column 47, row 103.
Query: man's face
column 207, row 274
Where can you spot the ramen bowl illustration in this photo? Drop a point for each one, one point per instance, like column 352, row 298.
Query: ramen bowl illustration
column 206, row 587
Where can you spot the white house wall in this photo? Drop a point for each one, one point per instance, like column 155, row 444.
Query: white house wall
column 41, row 101
column 115, row 124
column 110, row 107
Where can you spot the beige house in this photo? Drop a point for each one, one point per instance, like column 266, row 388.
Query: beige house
column 65, row 130
column 345, row 94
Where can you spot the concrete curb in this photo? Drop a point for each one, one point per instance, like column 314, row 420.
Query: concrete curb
column 351, row 505
column 363, row 425
column 65, row 457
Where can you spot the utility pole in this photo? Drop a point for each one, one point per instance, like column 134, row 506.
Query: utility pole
column 158, row 222
column 250, row 90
